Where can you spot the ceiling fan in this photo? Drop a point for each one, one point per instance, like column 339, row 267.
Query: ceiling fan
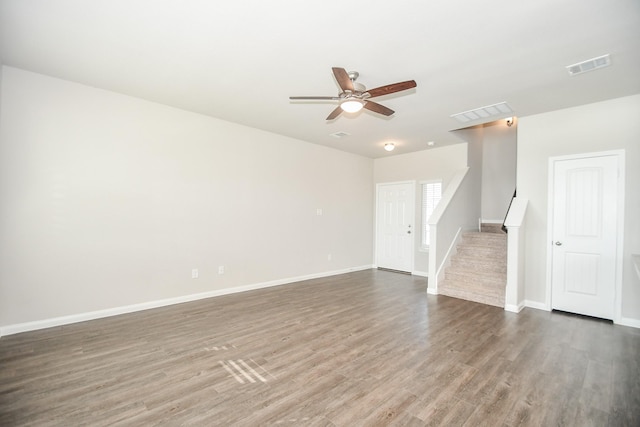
column 354, row 96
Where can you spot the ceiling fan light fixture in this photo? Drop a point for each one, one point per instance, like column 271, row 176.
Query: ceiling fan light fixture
column 354, row 96
column 352, row 105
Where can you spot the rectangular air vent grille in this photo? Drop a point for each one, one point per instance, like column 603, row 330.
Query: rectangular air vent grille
column 488, row 113
column 589, row 65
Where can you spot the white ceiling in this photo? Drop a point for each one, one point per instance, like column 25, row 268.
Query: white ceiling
column 241, row 60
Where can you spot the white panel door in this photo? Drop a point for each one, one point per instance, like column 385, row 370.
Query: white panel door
column 395, row 228
column 584, row 236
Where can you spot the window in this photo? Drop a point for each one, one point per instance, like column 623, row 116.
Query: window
column 431, row 192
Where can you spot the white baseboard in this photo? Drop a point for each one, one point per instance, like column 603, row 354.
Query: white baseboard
column 624, row 321
column 627, row 321
column 420, row 273
column 514, row 308
column 432, row 291
column 537, row 305
column 83, row 317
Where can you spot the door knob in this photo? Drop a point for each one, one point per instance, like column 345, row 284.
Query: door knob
column 558, row 243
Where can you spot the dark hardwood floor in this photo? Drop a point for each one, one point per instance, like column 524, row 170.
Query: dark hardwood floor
column 365, row 348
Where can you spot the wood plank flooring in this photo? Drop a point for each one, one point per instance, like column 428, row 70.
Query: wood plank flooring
column 362, row 349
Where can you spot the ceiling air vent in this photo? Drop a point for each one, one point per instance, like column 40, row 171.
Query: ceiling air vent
column 589, row 65
column 339, row 134
column 488, row 113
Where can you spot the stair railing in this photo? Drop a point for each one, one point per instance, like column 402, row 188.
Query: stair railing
column 504, row 227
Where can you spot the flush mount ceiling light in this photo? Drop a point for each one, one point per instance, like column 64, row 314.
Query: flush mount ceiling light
column 488, row 113
column 389, row 146
column 589, row 65
column 352, row 105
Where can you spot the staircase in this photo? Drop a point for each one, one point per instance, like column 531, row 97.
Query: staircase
column 478, row 270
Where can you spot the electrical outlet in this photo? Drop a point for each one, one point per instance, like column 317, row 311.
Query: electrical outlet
column 194, row 273
column 329, row 257
column 319, row 212
column 221, row 269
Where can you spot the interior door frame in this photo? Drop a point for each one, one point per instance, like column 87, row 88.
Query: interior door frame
column 620, row 155
column 375, row 222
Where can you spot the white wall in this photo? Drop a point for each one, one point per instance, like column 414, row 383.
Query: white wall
column 436, row 163
column 471, row 191
column 108, row 201
column 609, row 125
column 498, row 169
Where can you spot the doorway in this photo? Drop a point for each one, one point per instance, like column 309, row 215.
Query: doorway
column 395, row 225
column 586, row 203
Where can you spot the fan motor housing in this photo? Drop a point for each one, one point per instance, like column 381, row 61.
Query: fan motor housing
column 359, row 87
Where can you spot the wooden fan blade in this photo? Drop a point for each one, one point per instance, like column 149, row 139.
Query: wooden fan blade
column 392, row 88
column 335, row 113
column 377, row 108
column 343, row 79
column 316, row 98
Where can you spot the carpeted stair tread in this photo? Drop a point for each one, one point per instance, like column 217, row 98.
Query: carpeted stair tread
column 492, row 228
column 495, row 297
column 483, row 240
column 470, row 276
column 469, row 252
column 476, row 264
column 484, row 235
